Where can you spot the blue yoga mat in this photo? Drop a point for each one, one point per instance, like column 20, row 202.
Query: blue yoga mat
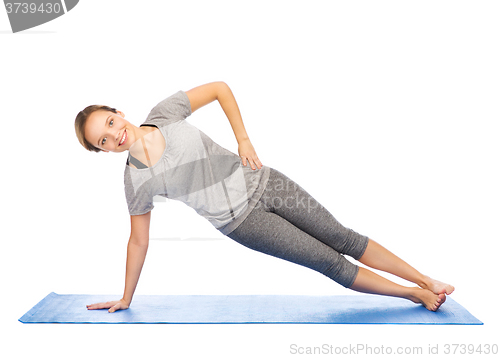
column 355, row 309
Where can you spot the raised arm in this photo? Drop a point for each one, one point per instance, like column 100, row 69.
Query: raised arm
column 207, row 93
column 136, row 254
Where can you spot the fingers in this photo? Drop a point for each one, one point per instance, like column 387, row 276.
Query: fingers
column 100, row 306
column 97, row 306
column 258, row 163
column 254, row 162
column 248, row 154
column 114, row 308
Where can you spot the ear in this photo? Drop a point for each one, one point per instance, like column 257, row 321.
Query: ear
column 105, row 151
column 121, row 114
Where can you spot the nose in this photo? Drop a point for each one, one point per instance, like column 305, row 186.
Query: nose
column 113, row 134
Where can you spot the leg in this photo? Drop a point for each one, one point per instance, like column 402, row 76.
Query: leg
column 267, row 232
column 286, row 198
column 378, row 257
column 369, row 282
column 290, row 201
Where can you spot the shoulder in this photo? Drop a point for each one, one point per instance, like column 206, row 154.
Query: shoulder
column 176, row 105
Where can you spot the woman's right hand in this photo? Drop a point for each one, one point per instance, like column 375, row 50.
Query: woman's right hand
column 111, row 305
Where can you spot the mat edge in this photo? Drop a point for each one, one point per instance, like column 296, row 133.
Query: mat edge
column 25, row 318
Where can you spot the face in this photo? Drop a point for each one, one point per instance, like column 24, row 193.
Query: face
column 106, row 130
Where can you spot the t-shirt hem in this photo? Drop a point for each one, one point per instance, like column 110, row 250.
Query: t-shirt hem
column 228, row 228
column 142, row 213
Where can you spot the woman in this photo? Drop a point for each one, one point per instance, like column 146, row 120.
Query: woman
column 253, row 204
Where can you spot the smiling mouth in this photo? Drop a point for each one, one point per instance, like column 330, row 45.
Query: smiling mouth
column 124, row 138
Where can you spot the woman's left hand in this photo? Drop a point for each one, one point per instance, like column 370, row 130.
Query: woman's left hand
column 247, row 153
column 112, row 306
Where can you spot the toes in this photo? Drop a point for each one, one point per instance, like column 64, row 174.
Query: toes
column 440, row 300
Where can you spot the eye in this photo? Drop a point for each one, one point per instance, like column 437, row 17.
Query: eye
column 110, row 124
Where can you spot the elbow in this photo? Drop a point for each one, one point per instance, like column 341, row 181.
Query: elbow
column 222, row 84
column 222, row 89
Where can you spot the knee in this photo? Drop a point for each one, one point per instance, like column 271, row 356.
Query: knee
column 342, row 271
column 352, row 243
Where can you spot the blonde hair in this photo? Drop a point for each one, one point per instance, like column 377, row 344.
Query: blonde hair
column 81, row 120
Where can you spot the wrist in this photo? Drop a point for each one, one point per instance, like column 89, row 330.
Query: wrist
column 242, row 139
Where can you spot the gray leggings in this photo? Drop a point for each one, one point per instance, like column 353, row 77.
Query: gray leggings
column 290, row 224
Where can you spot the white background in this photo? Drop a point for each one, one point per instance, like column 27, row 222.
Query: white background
column 387, row 112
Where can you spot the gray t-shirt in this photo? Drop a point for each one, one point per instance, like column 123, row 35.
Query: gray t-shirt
column 195, row 170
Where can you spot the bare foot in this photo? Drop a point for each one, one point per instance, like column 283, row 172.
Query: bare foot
column 437, row 286
column 430, row 300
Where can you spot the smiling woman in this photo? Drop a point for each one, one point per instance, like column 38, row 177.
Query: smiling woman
column 81, row 120
column 170, row 157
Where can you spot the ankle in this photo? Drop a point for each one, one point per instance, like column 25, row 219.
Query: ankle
column 414, row 294
column 423, row 281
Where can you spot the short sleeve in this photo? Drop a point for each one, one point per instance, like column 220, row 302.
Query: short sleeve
column 174, row 108
column 138, row 196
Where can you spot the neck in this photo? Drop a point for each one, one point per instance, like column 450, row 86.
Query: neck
column 140, row 134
